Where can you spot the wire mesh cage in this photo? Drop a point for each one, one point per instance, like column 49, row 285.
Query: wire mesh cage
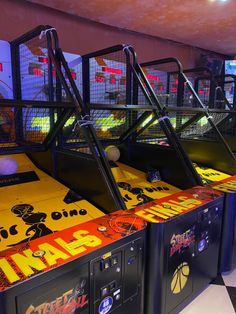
column 108, row 125
column 226, row 84
column 37, row 87
column 23, row 128
column 203, row 90
column 74, row 75
column 229, row 88
column 202, row 87
column 74, row 62
column 36, row 124
column 226, row 122
column 7, row 128
column 38, row 76
column 187, row 124
column 108, row 78
column 163, row 78
column 34, row 69
column 159, row 83
column 72, row 136
column 195, row 125
column 150, row 131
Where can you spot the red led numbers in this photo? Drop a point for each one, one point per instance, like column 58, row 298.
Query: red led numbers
column 112, row 70
column 43, row 60
column 37, row 71
column 99, row 79
column 153, row 77
column 74, row 76
column 112, row 80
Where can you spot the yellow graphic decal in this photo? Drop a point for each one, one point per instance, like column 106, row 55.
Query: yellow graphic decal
column 210, row 175
column 28, row 264
column 136, row 190
column 37, row 208
column 229, row 186
column 168, row 209
column 180, row 278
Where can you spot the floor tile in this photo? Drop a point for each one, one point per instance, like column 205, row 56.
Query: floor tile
column 213, row 300
column 230, row 278
column 232, row 295
column 218, row 281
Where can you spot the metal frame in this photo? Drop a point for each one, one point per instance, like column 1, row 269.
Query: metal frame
column 184, row 79
column 56, row 59
column 154, row 105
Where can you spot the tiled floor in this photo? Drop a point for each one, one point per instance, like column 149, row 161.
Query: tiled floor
column 218, row 298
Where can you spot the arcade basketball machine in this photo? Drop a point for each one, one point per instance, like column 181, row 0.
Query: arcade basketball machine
column 58, row 252
column 187, row 242
column 197, row 128
column 186, row 223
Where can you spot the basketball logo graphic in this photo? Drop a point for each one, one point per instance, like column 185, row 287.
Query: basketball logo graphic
column 127, row 223
column 180, row 278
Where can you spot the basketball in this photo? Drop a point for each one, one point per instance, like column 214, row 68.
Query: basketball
column 113, row 153
column 180, row 278
column 8, row 166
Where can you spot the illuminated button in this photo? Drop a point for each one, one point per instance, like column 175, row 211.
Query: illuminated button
column 102, row 228
column 114, row 260
column 106, row 264
column 131, row 260
column 166, row 206
column 201, row 245
column 39, row 253
column 117, row 297
column 104, row 291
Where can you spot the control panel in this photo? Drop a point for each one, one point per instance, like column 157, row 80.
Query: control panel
column 116, row 277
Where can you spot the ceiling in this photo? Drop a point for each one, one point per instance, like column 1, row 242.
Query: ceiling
column 208, row 24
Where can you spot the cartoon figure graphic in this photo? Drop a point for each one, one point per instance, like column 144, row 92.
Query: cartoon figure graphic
column 36, row 220
column 141, row 197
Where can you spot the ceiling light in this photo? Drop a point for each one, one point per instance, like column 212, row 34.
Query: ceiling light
column 218, row 0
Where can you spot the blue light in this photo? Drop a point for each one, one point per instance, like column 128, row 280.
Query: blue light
column 201, row 245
